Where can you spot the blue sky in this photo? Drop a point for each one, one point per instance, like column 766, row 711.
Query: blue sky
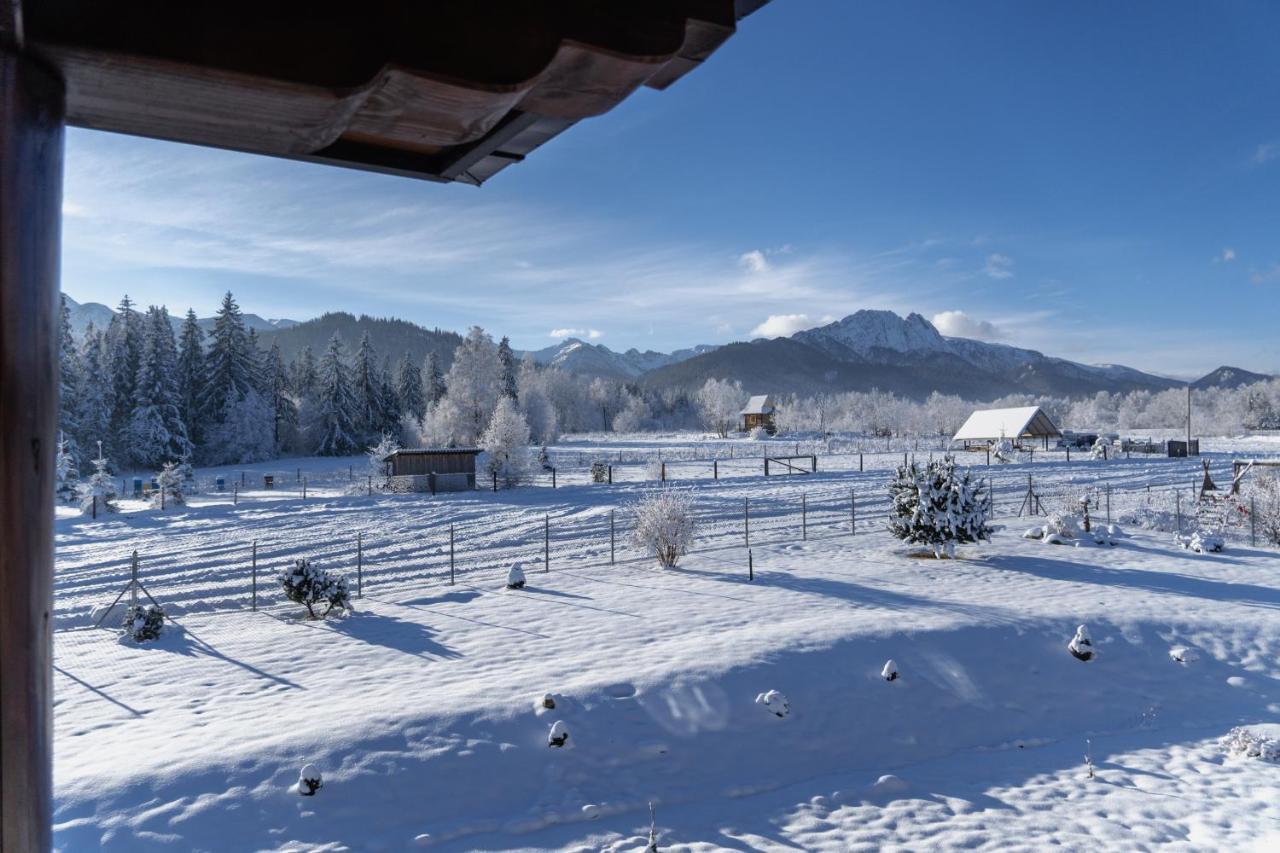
column 1098, row 181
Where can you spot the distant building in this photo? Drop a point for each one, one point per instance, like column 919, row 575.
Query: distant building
column 759, row 412
column 988, row 426
column 433, row 469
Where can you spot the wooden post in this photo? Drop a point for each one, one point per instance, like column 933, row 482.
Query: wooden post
column 814, row 460
column 495, row 481
column 1068, row 452
column 31, row 116
column 95, row 507
column 451, row 581
column 298, row 476
column 254, row 567
column 610, row 475
column 351, row 472
column 766, row 466
column 359, row 565
column 553, row 476
column 751, row 566
column 664, row 472
column 369, row 493
column 235, row 494
column 1253, row 523
column 304, row 488
column 546, row 542
column 859, row 461
column 715, row 469
column 611, row 538
column 163, row 489
column 1177, row 497
column 988, row 455
column 746, row 521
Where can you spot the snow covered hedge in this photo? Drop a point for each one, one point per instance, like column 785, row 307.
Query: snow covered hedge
column 309, row 586
column 664, row 524
column 935, row 505
column 143, row 623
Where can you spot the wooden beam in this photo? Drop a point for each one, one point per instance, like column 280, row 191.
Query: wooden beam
column 32, row 104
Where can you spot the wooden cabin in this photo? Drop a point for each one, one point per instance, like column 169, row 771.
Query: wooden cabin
column 433, row 469
column 759, row 412
column 986, row 427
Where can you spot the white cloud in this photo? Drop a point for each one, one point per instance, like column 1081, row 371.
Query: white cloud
column 1228, row 255
column 1264, row 276
column 1266, row 152
column 957, row 324
column 784, row 325
column 754, row 261
column 998, row 266
column 561, row 334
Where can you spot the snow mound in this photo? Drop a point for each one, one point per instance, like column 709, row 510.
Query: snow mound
column 309, row 780
column 1202, row 541
column 559, row 735
column 888, row 784
column 1182, row 654
column 890, row 671
column 1258, row 741
column 774, row 702
column 515, row 577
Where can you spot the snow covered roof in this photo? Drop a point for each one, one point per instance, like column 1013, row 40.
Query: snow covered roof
column 758, row 405
column 432, row 451
column 995, row 424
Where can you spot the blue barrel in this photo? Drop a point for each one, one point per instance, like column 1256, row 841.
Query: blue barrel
column 220, row 483
column 137, row 487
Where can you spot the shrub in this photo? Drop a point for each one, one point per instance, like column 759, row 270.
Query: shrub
column 309, row 586
column 143, row 623
column 664, row 525
column 1265, row 494
column 169, row 482
column 599, row 472
column 937, row 506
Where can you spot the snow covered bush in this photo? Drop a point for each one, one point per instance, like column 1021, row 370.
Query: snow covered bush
column 378, row 455
column 599, row 472
column 774, row 702
column 1203, row 541
column 98, row 494
column 143, row 623
column 1262, row 741
column 664, row 525
column 758, row 433
column 890, row 671
column 559, row 735
column 515, row 577
column 506, row 444
column 653, row 470
column 1100, row 450
column 937, row 506
column 169, row 483
column 1264, row 496
column 309, row 586
column 309, row 780
column 1081, row 645
column 1003, row 452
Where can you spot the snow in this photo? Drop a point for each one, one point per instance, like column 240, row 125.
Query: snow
column 990, row 424
column 423, row 710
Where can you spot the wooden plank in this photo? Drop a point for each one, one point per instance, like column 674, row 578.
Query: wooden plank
column 31, row 111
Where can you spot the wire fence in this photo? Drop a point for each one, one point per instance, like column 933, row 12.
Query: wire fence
column 458, row 548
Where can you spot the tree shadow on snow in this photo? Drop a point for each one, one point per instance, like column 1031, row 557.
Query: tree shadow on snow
column 402, row 635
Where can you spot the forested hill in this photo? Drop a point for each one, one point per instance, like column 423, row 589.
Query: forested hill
column 391, row 338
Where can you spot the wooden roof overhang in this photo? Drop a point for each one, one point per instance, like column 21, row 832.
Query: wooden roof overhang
column 448, row 91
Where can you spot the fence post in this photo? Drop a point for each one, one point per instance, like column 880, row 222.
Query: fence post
column 715, row 469
column 664, row 471
column 553, row 476
column 546, row 542
column 495, row 481
column 1177, row 498
column 163, row 489
column 1253, row 524
column 359, row 565
column 235, row 494
column 298, row 476
column 133, row 581
column 859, row 461
column 804, row 517
column 746, row 521
column 95, row 507
column 610, row 475
column 611, row 538
column 370, row 487
column 1108, row 504
column 751, row 566
column 242, row 478
column 451, row 579
column 351, row 472
column 766, row 466
column 1068, row 453
column 853, row 513
column 814, row 458
column 304, row 488
column 254, row 604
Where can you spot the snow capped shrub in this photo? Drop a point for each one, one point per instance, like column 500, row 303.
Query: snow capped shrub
column 548, row 701
column 599, row 472
column 558, row 737
column 101, row 485
column 664, row 524
column 890, row 671
column 758, row 433
column 1003, row 452
column 143, row 623
column 1202, row 541
column 170, row 483
column 937, row 506
column 309, row 780
column 1254, row 742
column 309, row 586
column 1081, row 645
column 515, row 577
column 1182, row 654
column 1100, row 449
column 774, row 702
column 378, row 455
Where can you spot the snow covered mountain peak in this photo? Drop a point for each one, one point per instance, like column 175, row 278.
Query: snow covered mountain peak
column 866, row 331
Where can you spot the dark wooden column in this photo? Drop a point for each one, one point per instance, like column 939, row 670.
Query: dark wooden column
column 31, row 122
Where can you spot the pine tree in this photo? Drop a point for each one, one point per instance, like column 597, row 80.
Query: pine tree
column 99, row 493
column 123, row 353
column 65, row 471
column 391, row 407
column 334, row 426
column 506, row 443
column 283, row 408
column 433, row 387
column 368, row 389
column 507, row 376
column 97, row 399
column 242, row 431
column 258, row 377
column 190, row 377
column 409, row 389
column 938, row 507
column 157, row 433
column 303, row 378
column 70, row 378
column 229, row 366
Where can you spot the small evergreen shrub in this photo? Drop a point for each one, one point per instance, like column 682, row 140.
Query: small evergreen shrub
column 937, row 506
column 309, row 586
column 143, row 623
column 599, row 472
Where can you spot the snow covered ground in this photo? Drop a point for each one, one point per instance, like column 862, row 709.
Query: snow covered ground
column 423, row 709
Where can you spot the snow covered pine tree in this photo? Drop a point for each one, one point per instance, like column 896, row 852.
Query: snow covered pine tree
column 307, row 585
column 936, row 506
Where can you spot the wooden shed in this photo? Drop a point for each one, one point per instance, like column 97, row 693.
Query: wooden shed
column 433, row 469
column 759, row 412
column 986, row 426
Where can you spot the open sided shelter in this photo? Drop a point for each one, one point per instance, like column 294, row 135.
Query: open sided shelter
column 986, row 426
column 442, row 91
column 433, row 469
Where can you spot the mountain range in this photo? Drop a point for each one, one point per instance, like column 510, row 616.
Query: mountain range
column 863, row 351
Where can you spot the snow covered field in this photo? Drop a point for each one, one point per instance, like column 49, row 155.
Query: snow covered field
column 421, row 709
